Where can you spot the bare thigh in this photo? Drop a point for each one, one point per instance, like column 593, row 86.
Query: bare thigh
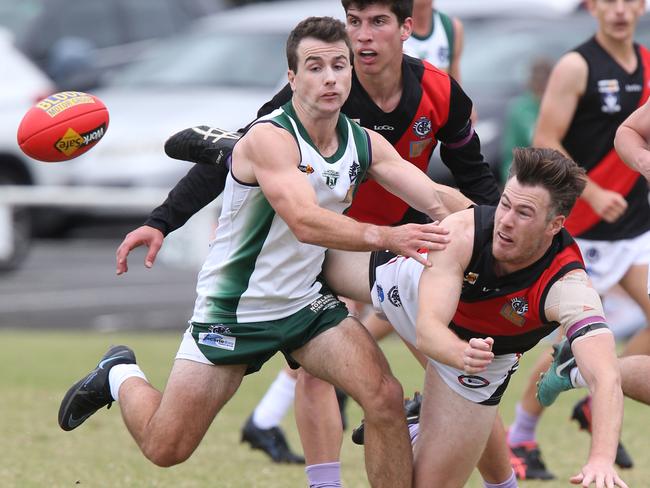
column 346, row 356
column 347, row 273
column 635, row 283
column 453, row 434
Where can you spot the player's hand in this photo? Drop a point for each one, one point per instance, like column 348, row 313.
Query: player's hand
column 144, row 235
column 608, row 204
column 478, row 355
column 600, row 473
column 409, row 239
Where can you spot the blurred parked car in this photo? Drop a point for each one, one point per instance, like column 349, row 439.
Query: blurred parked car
column 21, row 85
column 219, row 73
column 496, row 61
column 74, row 41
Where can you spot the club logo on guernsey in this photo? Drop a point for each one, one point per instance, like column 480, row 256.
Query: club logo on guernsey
column 331, row 177
column 422, row 127
column 610, row 96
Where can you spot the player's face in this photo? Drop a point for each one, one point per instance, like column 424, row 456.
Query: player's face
column 377, row 37
column 324, row 75
column 617, row 19
column 522, row 230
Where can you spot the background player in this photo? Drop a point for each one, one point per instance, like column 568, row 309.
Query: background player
column 591, row 90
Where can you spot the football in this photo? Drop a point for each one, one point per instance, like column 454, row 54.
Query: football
column 62, row 126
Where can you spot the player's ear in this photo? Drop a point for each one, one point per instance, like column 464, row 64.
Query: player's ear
column 291, row 76
column 556, row 224
column 406, row 29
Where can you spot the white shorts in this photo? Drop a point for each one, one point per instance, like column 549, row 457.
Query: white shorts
column 487, row 387
column 607, row 261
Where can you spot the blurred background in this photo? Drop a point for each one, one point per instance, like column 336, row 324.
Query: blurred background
column 161, row 66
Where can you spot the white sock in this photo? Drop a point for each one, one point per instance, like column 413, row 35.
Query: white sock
column 276, row 402
column 576, row 378
column 119, row 374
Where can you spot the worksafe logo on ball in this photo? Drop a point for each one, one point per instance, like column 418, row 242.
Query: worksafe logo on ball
column 72, row 141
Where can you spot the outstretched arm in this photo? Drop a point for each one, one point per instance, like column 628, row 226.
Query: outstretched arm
column 574, row 303
column 438, row 295
column 632, row 140
column 203, row 183
column 269, row 156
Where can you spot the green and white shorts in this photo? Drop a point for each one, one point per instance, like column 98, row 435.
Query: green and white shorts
column 254, row 343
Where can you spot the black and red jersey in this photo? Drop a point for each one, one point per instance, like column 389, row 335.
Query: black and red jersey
column 510, row 308
column 611, row 95
column 411, row 128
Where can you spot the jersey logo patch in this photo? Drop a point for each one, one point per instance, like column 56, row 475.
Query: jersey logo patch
column 380, row 293
column 422, row 127
column 473, row 381
column 514, row 310
column 306, row 168
column 325, row 302
column 393, row 297
column 213, row 339
column 354, row 176
column 416, row 148
column 331, row 177
column 610, row 96
column 443, row 55
column 592, row 255
column 470, row 277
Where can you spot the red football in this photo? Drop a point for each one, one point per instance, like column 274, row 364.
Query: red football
column 62, row 126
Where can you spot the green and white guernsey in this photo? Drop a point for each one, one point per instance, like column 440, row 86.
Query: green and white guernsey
column 256, row 269
column 437, row 46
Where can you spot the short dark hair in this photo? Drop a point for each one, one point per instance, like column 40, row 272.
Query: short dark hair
column 561, row 176
column 401, row 8
column 325, row 29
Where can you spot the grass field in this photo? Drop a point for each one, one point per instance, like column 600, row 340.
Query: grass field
column 37, row 367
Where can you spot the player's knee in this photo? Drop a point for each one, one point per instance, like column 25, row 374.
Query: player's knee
column 385, row 399
column 166, row 454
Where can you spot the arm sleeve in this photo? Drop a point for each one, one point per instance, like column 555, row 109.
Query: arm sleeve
column 461, row 151
column 202, row 183
column 575, row 305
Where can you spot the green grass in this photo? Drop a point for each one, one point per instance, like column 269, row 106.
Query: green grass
column 37, row 367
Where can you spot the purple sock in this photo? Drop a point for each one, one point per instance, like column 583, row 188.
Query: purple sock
column 325, row 475
column 509, row 483
column 523, row 428
column 414, row 431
